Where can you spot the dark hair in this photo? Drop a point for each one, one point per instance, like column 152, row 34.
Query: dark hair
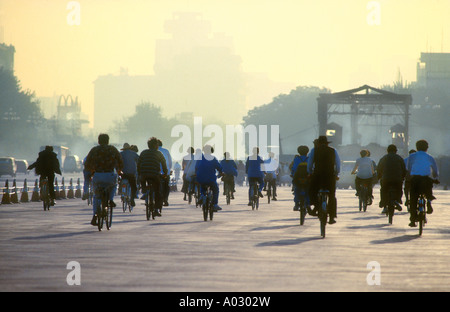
column 422, row 145
column 159, row 142
column 103, row 138
column 303, row 150
column 392, row 148
column 363, row 153
column 152, row 143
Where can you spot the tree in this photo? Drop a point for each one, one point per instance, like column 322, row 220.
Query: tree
column 295, row 113
column 20, row 116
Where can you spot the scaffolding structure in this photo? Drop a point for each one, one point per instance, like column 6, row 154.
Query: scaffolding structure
column 362, row 102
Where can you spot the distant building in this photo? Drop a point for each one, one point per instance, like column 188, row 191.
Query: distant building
column 195, row 72
column 115, row 96
column 7, row 56
column 433, row 70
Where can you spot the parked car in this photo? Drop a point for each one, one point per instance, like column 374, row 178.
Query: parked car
column 72, row 164
column 346, row 179
column 8, row 166
column 21, row 165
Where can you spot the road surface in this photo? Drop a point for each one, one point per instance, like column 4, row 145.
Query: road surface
column 239, row 251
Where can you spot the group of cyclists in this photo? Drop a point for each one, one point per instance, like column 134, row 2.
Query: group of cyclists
column 311, row 171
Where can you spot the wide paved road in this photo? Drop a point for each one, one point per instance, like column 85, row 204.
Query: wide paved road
column 240, row 250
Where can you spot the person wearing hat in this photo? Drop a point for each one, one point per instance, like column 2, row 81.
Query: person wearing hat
column 129, row 170
column 391, row 173
column 323, row 167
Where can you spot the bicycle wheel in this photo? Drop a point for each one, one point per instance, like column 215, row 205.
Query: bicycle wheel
column 124, row 203
column 421, row 214
column 323, row 215
column 205, row 210
column 211, row 207
column 391, row 213
column 148, row 210
column 302, row 211
column 100, row 214
column 108, row 217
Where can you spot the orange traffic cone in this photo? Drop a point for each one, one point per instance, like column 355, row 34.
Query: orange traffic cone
column 62, row 191
column 78, row 190
column 70, row 193
column 14, row 198
column 24, row 196
column 35, row 197
column 6, row 199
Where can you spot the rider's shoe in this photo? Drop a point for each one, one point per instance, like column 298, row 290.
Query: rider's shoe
column 260, row 194
column 216, row 208
column 412, row 224
column 332, row 221
column 112, row 203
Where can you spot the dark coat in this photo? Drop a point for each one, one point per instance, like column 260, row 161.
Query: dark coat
column 46, row 164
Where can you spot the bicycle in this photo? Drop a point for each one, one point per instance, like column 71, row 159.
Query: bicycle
column 323, row 196
column 193, row 191
column 126, row 195
column 302, row 205
column 45, row 194
column 363, row 196
column 228, row 189
column 254, row 194
column 207, row 205
column 105, row 211
column 150, row 203
column 422, row 210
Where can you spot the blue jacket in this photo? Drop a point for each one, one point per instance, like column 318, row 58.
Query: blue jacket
column 130, row 160
column 205, row 170
column 253, row 167
column 229, row 167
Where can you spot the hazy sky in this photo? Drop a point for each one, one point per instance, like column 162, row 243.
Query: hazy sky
column 326, row 43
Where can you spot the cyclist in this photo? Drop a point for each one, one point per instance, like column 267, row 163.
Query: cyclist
column 149, row 166
column 391, row 173
column 407, row 179
column 299, row 174
column 130, row 158
column 229, row 172
column 102, row 160
column 254, row 172
column 46, row 166
column 271, row 166
column 324, row 168
column 364, row 170
column 165, row 177
column 421, row 166
column 205, row 172
column 186, row 159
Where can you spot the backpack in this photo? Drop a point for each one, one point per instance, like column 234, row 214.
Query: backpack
column 301, row 174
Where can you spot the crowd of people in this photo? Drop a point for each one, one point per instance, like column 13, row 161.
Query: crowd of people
column 310, row 171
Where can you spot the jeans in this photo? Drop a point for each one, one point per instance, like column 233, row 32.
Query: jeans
column 103, row 179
